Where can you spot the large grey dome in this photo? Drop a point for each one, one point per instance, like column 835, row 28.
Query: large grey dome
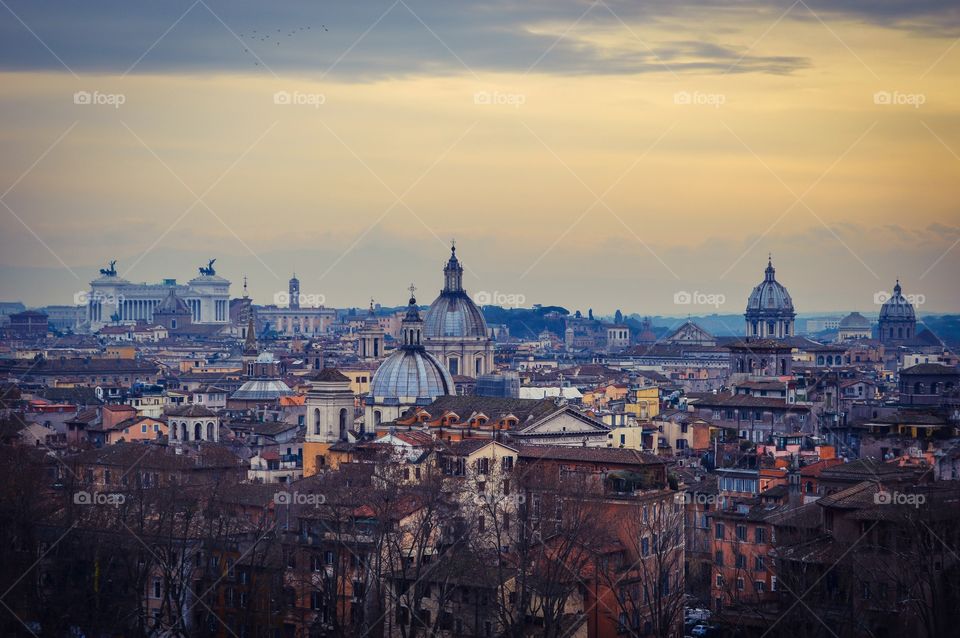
column 410, row 375
column 769, row 296
column 897, row 306
column 453, row 313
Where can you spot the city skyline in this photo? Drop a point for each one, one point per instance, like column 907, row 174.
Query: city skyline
column 375, row 133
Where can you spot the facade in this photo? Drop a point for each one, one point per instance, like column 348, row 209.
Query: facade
column 193, row 423
column 454, row 329
column 113, row 298
column 898, row 319
column 770, row 313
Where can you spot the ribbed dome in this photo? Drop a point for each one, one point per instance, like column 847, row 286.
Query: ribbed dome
column 262, row 390
column 410, row 375
column 854, row 321
column 453, row 314
column 769, row 296
column 897, row 306
column 173, row 304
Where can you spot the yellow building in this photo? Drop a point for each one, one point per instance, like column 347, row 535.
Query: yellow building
column 121, row 352
column 647, row 405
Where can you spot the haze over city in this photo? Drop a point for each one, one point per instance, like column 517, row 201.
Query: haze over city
column 565, row 122
column 479, row 319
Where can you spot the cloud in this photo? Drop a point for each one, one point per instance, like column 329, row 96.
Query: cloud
column 369, row 40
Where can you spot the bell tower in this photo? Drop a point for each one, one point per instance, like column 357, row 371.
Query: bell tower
column 330, row 414
column 371, row 337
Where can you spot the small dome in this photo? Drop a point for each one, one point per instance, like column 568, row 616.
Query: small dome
column 262, row 390
column 172, row 304
column 897, row 307
column 410, row 375
column 854, row 321
column 770, row 296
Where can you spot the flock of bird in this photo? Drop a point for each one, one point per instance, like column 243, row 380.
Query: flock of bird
column 265, row 36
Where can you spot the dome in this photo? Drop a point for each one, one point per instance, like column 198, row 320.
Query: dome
column 897, row 307
column 172, row 304
column 854, row 321
column 410, row 375
column 453, row 313
column 262, row 390
column 770, row 296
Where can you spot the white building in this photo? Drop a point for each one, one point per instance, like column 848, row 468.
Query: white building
column 207, row 296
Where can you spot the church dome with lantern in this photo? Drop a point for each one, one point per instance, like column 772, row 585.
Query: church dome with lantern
column 770, row 313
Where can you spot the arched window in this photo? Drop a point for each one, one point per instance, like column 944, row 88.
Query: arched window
column 316, row 420
column 900, row 333
column 935, row 388
column 453, row 364
column 820, row 360
column 377, row 417
column 343, row 424
column 183, row 431
column 211, row 435
column 478, row 365
column 919, row 388
column 197, row 432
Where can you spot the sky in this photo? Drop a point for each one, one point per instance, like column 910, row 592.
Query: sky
column 591, row 154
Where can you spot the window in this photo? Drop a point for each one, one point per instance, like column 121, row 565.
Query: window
column 718, row 531
column 741, row 561
column 741, row 532
column 759, row 535
column 644, row 546
column 740, row 584
column 718, row 558
column 157, row 592
column 759, row 586
column 758, row 564
column 719, row 580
